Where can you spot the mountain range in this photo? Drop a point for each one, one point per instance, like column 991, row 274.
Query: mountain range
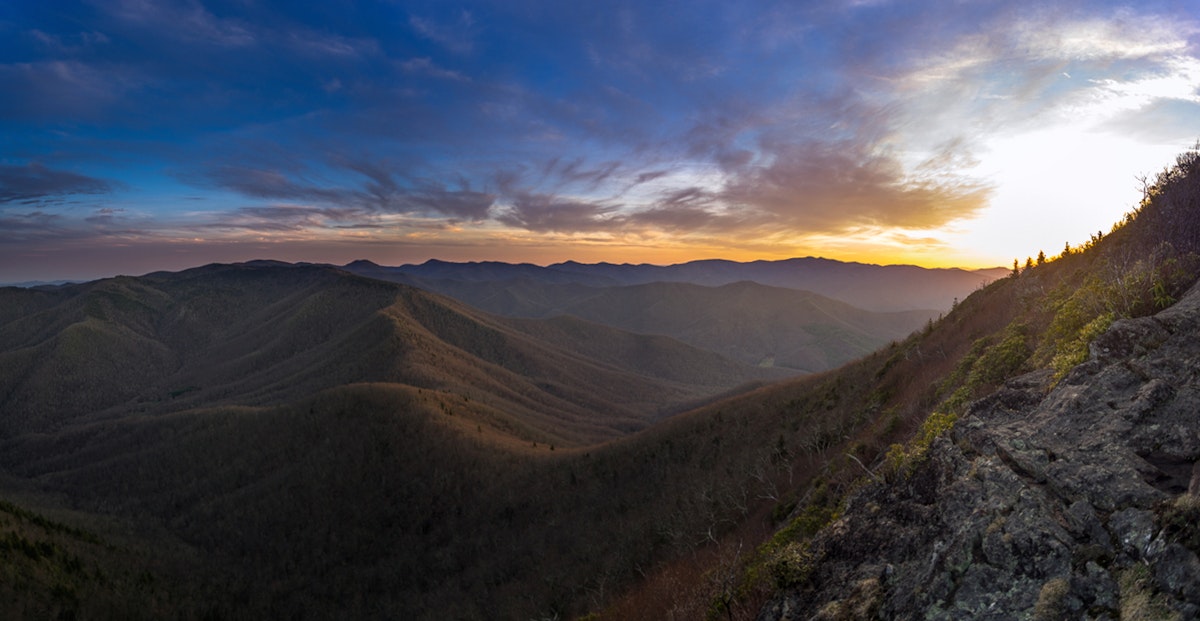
column 266, row 332
column 269, row 440
column 798, row 314
column 879, row 288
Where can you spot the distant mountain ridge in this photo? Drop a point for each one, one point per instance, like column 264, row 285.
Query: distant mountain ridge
column 1032, row 454
column 268, row 332
column 746, row 321
column 881, row 288
column 721, row 306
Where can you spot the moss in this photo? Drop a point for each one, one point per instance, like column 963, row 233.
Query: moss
column 1074, row 351
column 1139, row 601
column 901, row 460
column 1002, row 360
column 791, row 565
column 991, row 360
column 1180, row 520
column 1052, row 600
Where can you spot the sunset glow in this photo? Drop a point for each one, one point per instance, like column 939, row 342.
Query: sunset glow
column 141, row 136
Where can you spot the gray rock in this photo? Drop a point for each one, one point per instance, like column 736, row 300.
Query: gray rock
column 1132, row 529
column 1177, row 571
column 1032, row 488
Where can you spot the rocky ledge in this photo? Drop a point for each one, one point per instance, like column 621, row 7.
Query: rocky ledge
column 1077, row 502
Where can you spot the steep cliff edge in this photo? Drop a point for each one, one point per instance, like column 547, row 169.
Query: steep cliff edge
column 1076, row 502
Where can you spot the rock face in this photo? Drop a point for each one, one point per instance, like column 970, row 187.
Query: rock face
column 1077, row 503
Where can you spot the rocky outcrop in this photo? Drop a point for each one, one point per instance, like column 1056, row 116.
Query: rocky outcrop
column 1077, row 502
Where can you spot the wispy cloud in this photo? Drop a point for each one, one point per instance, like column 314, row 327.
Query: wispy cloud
column 186, row 20
column 760, row 126
column 457, row 35
column 35, row 184
column 425, row 66
column 549, row 213
column 376, row 190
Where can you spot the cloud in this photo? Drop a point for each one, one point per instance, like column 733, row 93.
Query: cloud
column 376, row 190
column 22, row 226
column 835, row 186
column 685, row 219
column 59, row 90
column 425, row 66
column 286, row 218
column 36, row 184
column 457, row 36
column 69, row 44
column 549, row 213
column 322, row 45
column 576, row 170
column 462, row 204
column 649, row 176
column 188, row 20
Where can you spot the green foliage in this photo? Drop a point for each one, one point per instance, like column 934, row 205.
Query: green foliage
column 1002, row 360
column 955, row 382
column 791, row 565
column 52, row 570
column 990, row 361
column 45, row 524
column 1072, row 349
column 901, row 461
column 1117, row 290
column 1139, row 599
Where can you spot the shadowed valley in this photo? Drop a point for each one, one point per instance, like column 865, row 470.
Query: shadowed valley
column 271, row 440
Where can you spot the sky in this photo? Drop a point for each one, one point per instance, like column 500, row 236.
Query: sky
column 138, row 135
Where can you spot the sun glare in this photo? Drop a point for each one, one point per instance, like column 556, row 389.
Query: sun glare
column 1057, row 185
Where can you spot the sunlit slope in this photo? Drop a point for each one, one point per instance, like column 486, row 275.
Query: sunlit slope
column 750, row 322
column 255, row 334
column 746, row 321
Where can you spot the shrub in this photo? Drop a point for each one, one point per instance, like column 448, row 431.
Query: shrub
column 1052, row 600
column 1073, row 351
column 901, row 461
column 1139, row 601
column 1180, row 520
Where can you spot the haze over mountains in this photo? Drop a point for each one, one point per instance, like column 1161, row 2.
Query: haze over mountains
column 268, row 332
column 764, row 313
column 268, row 440
column 880, row 288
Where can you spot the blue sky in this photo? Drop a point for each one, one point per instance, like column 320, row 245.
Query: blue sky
column 141, row 134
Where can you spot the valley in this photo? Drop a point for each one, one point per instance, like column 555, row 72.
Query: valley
column 292, row 440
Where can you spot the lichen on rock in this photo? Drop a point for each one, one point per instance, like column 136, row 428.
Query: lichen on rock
column 1071, row 502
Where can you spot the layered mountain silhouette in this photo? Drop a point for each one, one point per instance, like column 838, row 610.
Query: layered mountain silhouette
column 264, row 333
column 268, row 440
column 878, row 288
column 701, row 304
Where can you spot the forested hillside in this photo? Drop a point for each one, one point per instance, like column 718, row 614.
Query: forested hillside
column 351, row 447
